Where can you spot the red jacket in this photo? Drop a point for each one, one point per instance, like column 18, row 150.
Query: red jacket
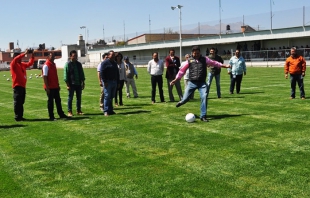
column 18, row 70
column 52, row 77
column 295, row 65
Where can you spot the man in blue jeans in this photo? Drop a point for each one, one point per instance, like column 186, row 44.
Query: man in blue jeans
column 74, row 78
column 214, row 72
column 109, row 74
column 197, row 66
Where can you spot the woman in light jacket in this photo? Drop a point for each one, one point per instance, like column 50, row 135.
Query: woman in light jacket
column 122, row 78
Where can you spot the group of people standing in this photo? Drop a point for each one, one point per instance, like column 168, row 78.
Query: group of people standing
column 194, row 70
column 115, row 71
column 73, row 76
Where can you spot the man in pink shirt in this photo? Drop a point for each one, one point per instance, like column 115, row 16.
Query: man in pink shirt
column 197, row 66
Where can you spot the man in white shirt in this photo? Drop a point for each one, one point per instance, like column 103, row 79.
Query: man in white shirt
column 156, row 69
column 186, row 76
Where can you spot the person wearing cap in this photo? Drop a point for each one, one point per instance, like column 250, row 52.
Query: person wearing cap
column 130, row 73
column 104, row 56
column 19, row 80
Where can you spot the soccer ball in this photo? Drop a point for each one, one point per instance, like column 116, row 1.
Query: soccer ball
column 30, row 77
column 8, row 79
column 190, row 117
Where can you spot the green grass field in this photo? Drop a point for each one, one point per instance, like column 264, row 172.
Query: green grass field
column 257, row 143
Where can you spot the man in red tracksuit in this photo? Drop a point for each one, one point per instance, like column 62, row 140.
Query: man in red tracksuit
column 52, row 88
column 19, row 80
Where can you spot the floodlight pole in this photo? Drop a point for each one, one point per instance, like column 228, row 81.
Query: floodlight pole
column 180, row 26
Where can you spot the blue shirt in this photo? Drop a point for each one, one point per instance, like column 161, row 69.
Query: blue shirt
column 238, row 66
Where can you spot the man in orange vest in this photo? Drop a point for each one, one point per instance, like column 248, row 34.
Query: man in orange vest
column 52, row 88
column 19, row 80
column 295, row 65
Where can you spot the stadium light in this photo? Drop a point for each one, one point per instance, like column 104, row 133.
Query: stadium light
column 180, row 19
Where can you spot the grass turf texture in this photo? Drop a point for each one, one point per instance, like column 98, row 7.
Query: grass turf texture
column 255, row 145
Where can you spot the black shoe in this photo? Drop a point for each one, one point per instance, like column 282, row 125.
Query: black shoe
column 63, row 116
column 179, row 104
column 52, row 119
column 20, row 119
column 204, row 119
column 112, row 113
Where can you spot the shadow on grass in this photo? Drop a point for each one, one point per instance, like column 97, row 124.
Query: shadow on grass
column 134, row 112
column 93, row 114
column 127, row 107
column 215, row 117
column 11, row 126
column 79, row 117
column 135, row 105
column 248, row 93
column 136, row 98
column 239, row 95
column 57, row 119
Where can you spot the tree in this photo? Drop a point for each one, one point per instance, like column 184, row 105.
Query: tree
column 170, row 31
column 120, row 43
column 101, row 42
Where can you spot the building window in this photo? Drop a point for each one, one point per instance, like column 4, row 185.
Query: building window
column 38, row 54
column 57, row 53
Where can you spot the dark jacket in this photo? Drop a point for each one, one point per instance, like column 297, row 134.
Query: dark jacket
column 109, row 71
column 172, row 66
column 72, row 71
column 216, row 70
column 197, row 70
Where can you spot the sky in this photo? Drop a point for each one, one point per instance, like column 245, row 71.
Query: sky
column 58, row 22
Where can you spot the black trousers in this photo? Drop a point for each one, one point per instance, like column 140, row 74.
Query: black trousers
column 237, row 80
column 54, row 95
column 19, row 96
column 157, row 80
column 119, row 92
